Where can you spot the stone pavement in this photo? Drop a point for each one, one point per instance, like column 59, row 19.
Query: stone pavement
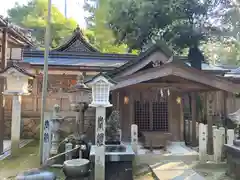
column 187, row 171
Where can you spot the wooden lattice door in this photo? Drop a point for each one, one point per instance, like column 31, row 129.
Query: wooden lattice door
column 152, row 116
column 142, row 115
column 160, row 116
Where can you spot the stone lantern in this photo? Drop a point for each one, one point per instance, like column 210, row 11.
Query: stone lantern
column 79, row 96
column 79, row 93
column 16, row 86
column 17, row 80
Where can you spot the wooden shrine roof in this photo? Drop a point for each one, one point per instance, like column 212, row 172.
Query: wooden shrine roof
column 18, row 68
column 180, row 76
column 16, row 34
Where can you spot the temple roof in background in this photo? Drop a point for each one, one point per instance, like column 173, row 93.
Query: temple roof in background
column 77, row 51
column 76, row 43
column 19, row 35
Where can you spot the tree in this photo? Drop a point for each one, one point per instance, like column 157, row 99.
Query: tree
column 181, row 23
column 34, row 15
column 96, row 20
column 225, row 51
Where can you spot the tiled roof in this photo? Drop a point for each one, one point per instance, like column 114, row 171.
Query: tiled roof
column 18, row 68
column 76, row 43
column 206, row 66
column 75, row 61
column 16, row 31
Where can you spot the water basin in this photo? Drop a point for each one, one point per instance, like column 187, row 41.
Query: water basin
column 115, row 148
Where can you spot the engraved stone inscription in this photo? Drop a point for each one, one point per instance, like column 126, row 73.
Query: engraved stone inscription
column 100, row 123
column 46, row 137
column 100, row 139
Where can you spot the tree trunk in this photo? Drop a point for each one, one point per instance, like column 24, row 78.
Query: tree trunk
column 195, row 56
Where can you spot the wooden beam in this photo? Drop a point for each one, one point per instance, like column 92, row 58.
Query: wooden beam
column 173, row 86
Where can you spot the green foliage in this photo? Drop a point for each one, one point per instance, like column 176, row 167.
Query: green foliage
column 34, row 15
column 104, row 38
column 182, row 23
column 225, row 51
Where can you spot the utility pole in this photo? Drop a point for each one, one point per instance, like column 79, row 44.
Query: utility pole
column 2, row 85
column 45, row 76
column 65, row 9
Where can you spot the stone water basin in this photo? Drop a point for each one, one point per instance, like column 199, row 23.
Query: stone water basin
column 115, row 153
column 118, row 162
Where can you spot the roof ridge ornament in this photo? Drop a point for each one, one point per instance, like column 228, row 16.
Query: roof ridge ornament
column 78, row 29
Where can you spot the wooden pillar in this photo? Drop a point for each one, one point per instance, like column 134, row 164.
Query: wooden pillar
column 181, row 120
column 131, row 106
column 210, row 123
column 2, row 83
column 224, row 113
column 35, row 92
column 194, row 118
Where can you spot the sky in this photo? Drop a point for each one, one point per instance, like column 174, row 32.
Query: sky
column 74, row 10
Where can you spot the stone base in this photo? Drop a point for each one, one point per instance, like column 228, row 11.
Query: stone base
column 116, row 171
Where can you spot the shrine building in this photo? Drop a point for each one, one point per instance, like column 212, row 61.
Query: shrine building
column 155, row 89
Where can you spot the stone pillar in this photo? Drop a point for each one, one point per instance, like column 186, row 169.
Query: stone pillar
column 218, row 140
column 216, row 144
column 46, row 137
column 197, row 131
column 68, row 147
column 56, row 122
column 230, row 136
column 16, row 124
column 99, row 173
column 202, row 142
column 134, row 138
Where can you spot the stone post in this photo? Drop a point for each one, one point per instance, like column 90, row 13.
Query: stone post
column 46, row 137
column 190, row 131
column 134, row 138
column 99, row 173
column 202, row 142
column 223, row 140
column 197, row 131
column 216, row 145
column 230, row 136
column 218, row 142
column 16, row 124
column 56, row 122
column 68, row 147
